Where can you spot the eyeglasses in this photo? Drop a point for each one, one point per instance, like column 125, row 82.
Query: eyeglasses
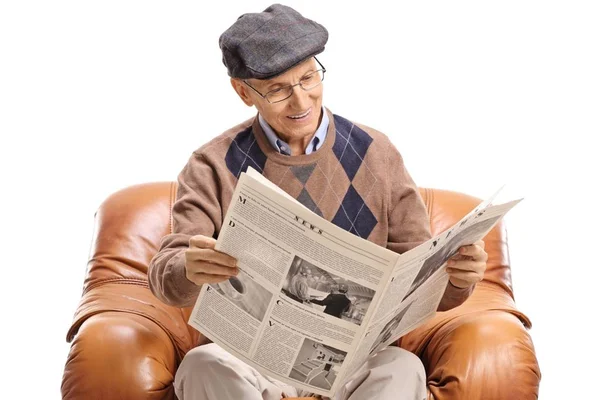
column 307, row 82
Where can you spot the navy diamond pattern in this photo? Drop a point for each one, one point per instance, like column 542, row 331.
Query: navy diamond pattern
column 351, row 145
column 244, row 152
column 343, row 126
column 307, row 201
column 354, row 215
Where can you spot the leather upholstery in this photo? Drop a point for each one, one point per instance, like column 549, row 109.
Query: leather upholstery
column 126, row 344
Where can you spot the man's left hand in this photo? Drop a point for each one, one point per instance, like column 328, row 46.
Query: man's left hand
column 468, row 265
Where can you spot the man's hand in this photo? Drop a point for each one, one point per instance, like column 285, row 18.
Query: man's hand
column 204, row 264
column 468, row 265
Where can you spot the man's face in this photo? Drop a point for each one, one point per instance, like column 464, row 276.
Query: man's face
column 280, row 116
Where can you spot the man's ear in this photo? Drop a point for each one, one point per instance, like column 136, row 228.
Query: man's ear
column 242, row 90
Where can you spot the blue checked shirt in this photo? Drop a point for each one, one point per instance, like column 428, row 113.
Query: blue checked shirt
column 283, row 148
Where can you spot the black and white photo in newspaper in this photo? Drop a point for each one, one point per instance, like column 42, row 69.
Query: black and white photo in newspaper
column 327, row 292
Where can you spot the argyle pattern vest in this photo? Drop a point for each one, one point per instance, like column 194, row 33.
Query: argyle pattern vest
column 332, row 187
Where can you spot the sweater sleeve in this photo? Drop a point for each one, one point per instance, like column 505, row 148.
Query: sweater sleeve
column 196, row 211
column 408, row 222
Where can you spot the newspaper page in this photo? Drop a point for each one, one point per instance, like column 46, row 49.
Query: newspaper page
column 304, row 294
column 312, row 301
column 419, row 280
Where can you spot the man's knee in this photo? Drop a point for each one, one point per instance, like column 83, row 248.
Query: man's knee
column 402, row 362
column 207, row 358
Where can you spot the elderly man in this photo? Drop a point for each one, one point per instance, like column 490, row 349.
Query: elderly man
column 348, row 173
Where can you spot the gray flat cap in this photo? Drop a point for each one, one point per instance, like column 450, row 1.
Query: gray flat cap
column 264, row 45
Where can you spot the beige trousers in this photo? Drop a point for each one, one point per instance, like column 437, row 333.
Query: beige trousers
column 210, row 373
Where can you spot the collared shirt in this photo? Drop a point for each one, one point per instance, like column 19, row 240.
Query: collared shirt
column 283, row 148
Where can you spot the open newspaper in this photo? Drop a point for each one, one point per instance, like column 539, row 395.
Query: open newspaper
column 312, row 301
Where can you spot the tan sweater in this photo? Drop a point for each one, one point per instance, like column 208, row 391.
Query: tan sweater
column 357, row 180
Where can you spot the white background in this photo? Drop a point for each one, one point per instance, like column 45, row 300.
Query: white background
column 97, row 96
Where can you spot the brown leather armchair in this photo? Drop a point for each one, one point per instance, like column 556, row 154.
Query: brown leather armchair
column 126, row 344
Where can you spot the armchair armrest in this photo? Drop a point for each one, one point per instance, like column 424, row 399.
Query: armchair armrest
column 484, row 355
column 126, row 344
column 119, row 355
column 480, row 349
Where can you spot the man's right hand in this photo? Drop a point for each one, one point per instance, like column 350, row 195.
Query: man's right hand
column 204, row 264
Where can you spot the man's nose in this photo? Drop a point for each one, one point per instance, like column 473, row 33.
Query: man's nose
column 300, row 98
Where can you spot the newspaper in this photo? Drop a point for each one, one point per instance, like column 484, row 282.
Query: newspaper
column 286, row 313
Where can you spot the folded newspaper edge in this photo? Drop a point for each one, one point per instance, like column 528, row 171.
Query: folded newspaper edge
column 312, row 301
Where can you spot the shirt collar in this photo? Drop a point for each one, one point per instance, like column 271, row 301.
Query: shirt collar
column 282, row 147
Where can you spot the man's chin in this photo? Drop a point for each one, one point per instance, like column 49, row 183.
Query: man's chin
column 302, row 132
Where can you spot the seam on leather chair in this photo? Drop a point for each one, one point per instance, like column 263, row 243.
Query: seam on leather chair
column 428, row 200
column 172, row 198
column 522, row 317
column 118, row 280
column 512, row 310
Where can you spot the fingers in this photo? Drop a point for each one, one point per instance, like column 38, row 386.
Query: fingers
column 211, row 256
column 465, row 278
column 201, row 272
column 203, row 267
column 467, row 265
column 466, row 272
column 204, row 264
column 201, row 279
column 475, row 251
column 202, row 242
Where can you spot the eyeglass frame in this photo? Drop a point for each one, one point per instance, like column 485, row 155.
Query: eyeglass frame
column 264, row 96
